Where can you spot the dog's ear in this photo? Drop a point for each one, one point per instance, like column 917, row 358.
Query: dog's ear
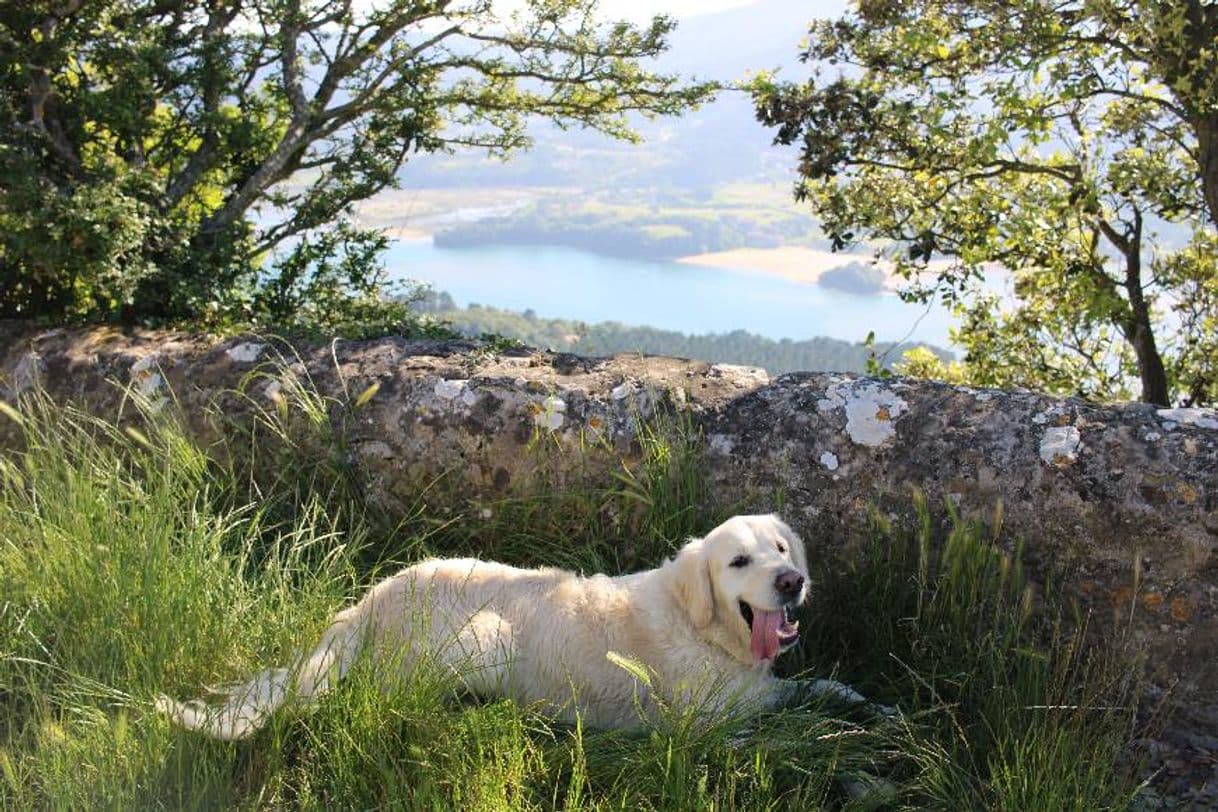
column 798, row 555
column 692, row 583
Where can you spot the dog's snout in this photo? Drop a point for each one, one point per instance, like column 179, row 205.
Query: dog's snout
column 789, row 583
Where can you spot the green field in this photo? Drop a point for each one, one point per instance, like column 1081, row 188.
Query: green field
column 136, row 560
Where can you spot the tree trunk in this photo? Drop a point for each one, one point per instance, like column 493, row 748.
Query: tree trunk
column 1150, row 363
column 271, row 171
column 1207, row 154
column 1136, row 325
column 1138, row 330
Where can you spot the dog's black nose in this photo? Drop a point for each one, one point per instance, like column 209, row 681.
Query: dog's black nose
column 789, row 583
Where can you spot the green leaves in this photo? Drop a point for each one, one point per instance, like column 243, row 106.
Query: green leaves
column 1055, row 142
column 155, row 155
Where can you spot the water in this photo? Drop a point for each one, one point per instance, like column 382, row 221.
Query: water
column 572, row 284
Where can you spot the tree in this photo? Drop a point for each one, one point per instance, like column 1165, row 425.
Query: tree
column 191, row 159
column 1071, row 142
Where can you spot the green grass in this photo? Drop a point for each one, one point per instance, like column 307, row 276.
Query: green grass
column 133, row 561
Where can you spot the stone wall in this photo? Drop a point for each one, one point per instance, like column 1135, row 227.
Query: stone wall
column 1099, row 493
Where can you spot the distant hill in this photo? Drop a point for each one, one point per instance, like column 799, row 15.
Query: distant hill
column 720, row 143
column 652, row 229
column 762, row 35
column 609, row 338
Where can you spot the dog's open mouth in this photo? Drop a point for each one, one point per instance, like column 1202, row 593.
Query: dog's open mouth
column 771, row 631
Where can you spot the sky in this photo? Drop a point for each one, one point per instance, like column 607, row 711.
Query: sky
column 629, row 9
column 642, row 9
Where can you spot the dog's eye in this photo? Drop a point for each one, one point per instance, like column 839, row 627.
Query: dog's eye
column 740, row 561
column 782, row 548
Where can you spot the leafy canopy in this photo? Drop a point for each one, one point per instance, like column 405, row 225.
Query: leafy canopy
column 1071, row 143
column 199, row 159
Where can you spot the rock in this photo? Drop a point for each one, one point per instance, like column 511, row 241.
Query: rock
column 247, row 352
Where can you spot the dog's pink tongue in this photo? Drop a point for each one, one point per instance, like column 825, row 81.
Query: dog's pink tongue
column 765, row 633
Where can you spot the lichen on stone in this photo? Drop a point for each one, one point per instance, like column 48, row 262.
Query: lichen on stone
column 871, row 410
column 551, row 413
column 247, row 352
column 27, row 374
column 720, row 444
column 743, row 377
column 148, row 381
column 1059, row 446
column 1200, row 418
column 450, row 389
column 623, row 390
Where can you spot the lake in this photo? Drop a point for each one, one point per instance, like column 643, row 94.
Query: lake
column 572, row 284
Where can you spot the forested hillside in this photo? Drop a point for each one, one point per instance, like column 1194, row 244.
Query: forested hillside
column 607, row 338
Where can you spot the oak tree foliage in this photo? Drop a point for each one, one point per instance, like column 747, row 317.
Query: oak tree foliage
column 198, row 159
column 1071, row 143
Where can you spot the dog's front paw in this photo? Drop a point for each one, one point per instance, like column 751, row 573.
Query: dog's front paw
column 740, row 739
column 870, row 790
column 890, row 713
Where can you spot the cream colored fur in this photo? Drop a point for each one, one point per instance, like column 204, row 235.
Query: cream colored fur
column 545, row 636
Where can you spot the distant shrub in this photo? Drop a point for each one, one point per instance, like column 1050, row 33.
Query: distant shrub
column 855, row 277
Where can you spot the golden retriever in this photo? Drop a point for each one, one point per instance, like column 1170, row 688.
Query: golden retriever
column 707, row 625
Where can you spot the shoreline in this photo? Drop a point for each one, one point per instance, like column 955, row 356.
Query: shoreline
column 798, row 264
column 792, row 262
column 419, row 214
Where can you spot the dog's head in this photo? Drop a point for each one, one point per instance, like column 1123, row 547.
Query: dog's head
column 741, row 583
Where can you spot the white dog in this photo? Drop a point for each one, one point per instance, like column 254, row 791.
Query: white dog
column 707, row 625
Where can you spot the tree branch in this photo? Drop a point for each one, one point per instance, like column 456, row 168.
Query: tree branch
column 204, row 156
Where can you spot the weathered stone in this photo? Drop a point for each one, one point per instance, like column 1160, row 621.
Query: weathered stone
column 246, row 353
column 1092, row 489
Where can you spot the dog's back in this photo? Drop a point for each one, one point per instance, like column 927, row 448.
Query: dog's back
column 460, row 614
